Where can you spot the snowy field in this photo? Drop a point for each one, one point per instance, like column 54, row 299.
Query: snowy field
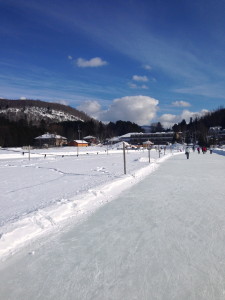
column 161, row 238
column 43, row 189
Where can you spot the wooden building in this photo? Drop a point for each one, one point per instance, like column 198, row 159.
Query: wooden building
column 50, row 140
column 78, row 143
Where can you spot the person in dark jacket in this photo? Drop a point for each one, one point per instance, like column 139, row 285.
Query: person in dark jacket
column 187, row 152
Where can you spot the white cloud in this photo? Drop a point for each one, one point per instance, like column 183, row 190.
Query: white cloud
column 168, row 120
column 135, row 86
column 93, row 62
column 147, row 67
column 186, row 114
column 181, row 104
column 91, row 108
column 23, row 98
column 132, row 85
column 64, row 102
column 140, row 78
column 70, row 57
column 138, row 109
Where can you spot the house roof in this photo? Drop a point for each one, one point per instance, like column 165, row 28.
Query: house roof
column 128, row 135
column 80, row 141
column 50, row 136
column 148, row 143
column 89, row 137
column 114, row 139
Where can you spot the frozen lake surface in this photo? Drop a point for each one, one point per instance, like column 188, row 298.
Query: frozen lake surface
column 162, row 239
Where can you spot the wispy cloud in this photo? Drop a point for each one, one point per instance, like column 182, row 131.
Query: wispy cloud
column 181, row 104
column 147, row 67
column 140, row 78
column 133, row 85
column 208, row 90
column 92, row 63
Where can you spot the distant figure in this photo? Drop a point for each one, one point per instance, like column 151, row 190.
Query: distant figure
column 187, row 152
column 164, row 150
column 193, row 148
column 210, row 150
column 198, row 150
column 204, row 150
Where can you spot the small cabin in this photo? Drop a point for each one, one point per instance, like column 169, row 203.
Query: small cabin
column 92, row 140
column 78, row 143
column 50, row 140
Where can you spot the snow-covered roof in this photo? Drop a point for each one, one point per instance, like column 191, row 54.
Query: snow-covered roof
column 50, row 136
column 89, row 137
column 148, row 143
column 80, row 141
column 120, row 145
column 127, row 135
column 114, row 139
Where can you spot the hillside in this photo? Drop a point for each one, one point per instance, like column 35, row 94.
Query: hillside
column 36, row 111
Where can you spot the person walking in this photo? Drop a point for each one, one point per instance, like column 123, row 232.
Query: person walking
column 187, row 152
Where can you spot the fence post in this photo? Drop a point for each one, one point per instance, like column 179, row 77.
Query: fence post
column 29, row 152
column 124, row 158
column 149, row 154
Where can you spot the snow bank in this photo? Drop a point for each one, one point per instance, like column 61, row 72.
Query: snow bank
column 43, row 220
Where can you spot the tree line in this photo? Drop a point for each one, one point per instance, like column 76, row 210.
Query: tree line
column 21, row 133
column 196, row 131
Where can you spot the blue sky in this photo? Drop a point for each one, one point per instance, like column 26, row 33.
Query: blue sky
column 137, row 60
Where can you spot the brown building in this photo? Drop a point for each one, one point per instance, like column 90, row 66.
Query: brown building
column 78, row 143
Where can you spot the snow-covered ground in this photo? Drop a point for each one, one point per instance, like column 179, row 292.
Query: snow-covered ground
column 43, row 189
column 163, row 238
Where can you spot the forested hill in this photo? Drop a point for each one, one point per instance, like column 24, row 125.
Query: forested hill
column 198, row 128
column 211, row 119
column 23, row 120
column 35, row 111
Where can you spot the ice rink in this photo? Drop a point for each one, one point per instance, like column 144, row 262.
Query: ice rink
column 162, row 239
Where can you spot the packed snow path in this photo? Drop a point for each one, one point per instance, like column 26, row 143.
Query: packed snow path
column 162, row 239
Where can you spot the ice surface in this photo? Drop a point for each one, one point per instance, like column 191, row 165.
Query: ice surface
column 40, row 193
column 162, row 239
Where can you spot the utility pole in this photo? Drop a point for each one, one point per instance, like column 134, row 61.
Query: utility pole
column 124, row 159
column 29, row 152
column 79, row 131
